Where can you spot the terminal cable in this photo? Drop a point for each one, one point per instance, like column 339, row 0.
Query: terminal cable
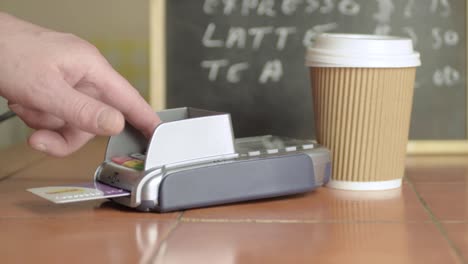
column 7, row 115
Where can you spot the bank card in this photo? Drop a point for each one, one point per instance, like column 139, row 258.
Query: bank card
column 78, row 192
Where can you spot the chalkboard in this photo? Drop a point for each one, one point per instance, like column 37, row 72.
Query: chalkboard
column 246, row 57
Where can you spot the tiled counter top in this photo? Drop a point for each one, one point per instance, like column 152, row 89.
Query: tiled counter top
column 426, row 221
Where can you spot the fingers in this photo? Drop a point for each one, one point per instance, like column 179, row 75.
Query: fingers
column 80, row 110
column 59, row 143
column 36, row 119
column 119, row 93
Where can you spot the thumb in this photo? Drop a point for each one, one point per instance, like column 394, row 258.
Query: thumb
column 116, row 91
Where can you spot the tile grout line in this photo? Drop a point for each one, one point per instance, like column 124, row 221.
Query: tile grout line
column 161, row 249
column 437, row 223
column 181, row 219
column 291, row 221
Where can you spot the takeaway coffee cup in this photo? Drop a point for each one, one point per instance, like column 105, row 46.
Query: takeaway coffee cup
column 362, row 87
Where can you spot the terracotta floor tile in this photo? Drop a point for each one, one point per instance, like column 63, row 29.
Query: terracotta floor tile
column 17, row 157
column 109, row 240
column 458, row 234
column 432, row 161
column 305, row 243
column 81, row 165
column 448, row 201
column 439, row 174
column 325, row 204
column 15, row 201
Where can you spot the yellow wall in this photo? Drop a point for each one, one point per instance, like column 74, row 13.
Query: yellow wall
column 119, row 28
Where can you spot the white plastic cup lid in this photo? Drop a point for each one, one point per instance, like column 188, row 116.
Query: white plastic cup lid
column 362, row 51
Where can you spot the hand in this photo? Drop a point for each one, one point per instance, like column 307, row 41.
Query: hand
column 62, row 86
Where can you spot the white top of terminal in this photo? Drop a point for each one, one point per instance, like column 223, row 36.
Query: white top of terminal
column 190, row 134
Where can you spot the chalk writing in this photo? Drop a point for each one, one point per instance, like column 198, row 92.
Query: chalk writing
column 441, row 7
column 274, row 8
column 272, row 70
column 409, row 9
column 446, row 76
column 257, row 37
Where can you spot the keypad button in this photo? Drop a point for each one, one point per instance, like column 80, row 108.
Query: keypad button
column 289, row 149
column 254, row 153
column 308, row 146
column 138, row 156
column 272, row 151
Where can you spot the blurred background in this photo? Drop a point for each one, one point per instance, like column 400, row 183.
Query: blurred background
column 118, row 28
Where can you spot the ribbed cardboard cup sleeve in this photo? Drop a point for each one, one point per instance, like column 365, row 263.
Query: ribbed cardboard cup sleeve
column 363, row 115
